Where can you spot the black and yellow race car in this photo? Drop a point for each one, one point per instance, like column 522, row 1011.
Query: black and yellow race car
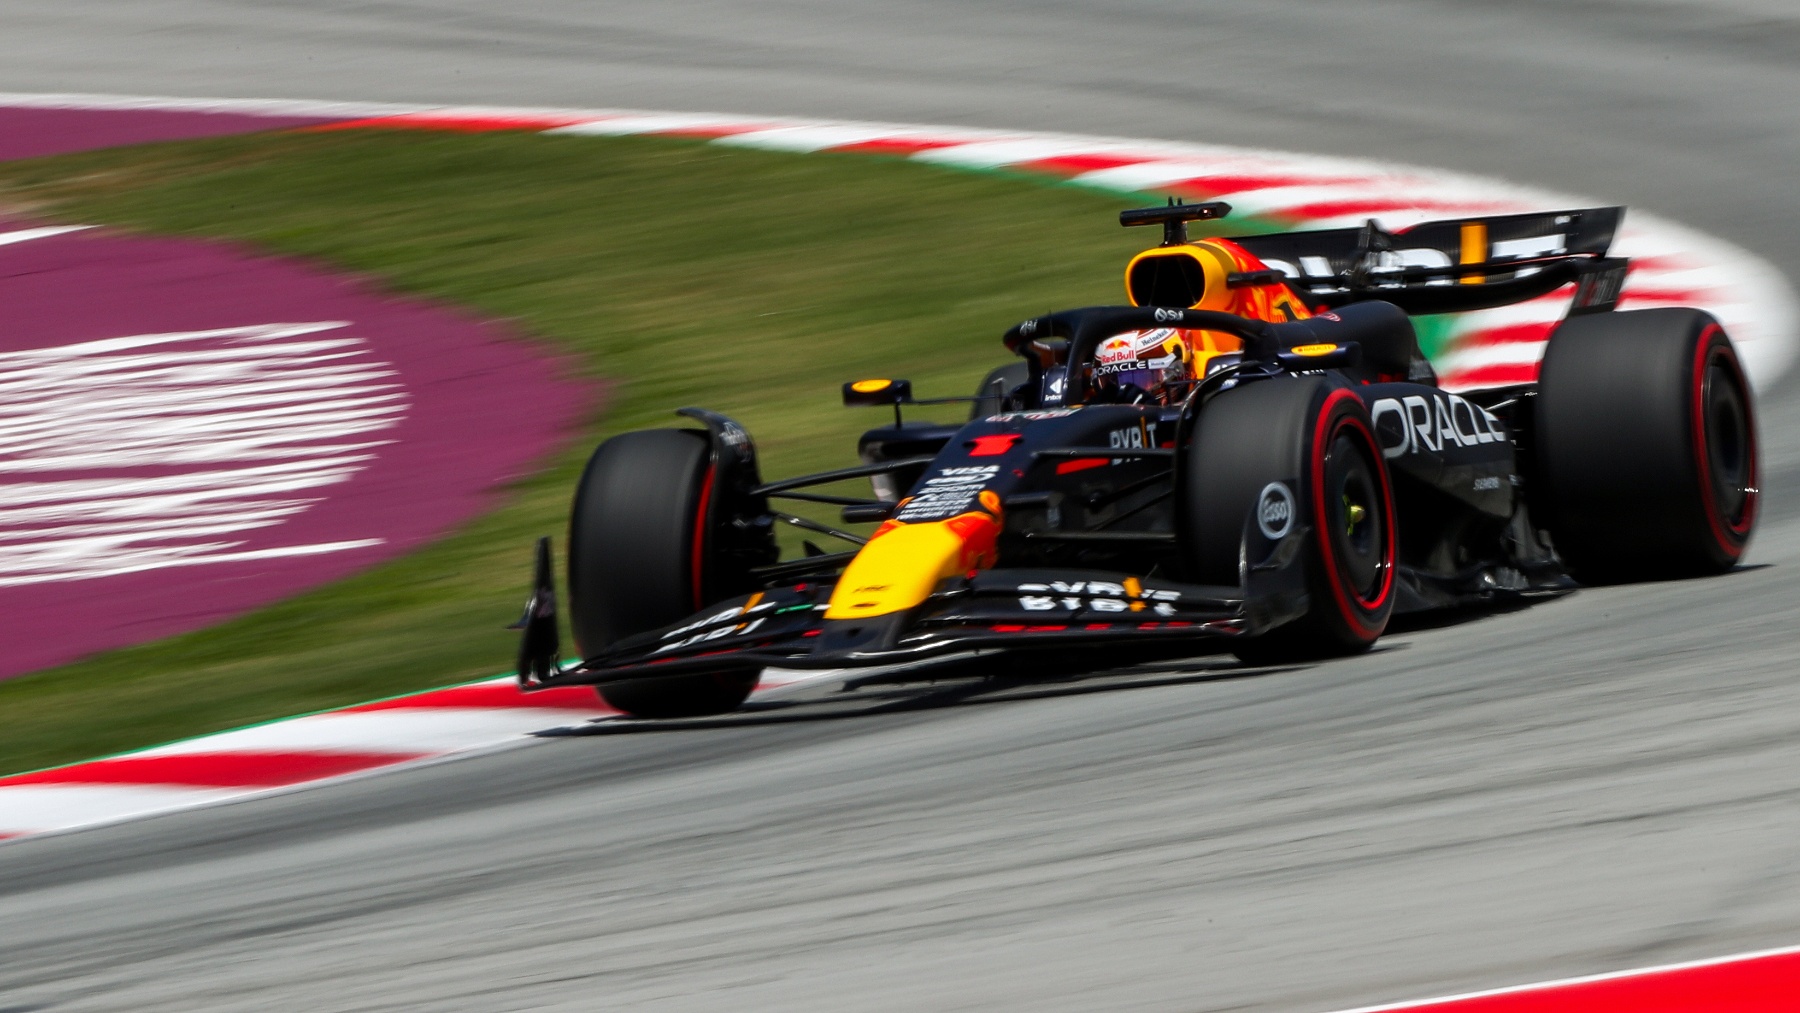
column 1252, row 456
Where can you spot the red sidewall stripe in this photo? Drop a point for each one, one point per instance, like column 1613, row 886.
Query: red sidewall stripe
column 699, row 561
column 1729, row 535
column 1352, row 606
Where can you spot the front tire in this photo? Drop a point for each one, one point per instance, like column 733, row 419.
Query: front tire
column 638, row 561
column 1646, row 457
column 1317, row 437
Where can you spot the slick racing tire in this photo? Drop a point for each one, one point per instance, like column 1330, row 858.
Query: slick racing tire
column 638, row 549
column 991, row 396
column 1312, row 436
column 1645, row 447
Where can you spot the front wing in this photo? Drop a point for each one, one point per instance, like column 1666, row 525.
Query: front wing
column 988, row 610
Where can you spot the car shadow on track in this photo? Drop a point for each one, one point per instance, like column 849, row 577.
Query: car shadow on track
column 976, row 682
column 1437, row 619
column 878, row 695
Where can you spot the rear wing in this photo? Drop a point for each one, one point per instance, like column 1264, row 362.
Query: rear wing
column 1456, row 265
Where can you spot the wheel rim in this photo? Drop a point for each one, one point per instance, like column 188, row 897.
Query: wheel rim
column 1355, row 546
column 1728, row 446
column 1355, row 523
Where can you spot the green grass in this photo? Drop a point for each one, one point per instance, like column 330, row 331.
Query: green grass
column 683, row 273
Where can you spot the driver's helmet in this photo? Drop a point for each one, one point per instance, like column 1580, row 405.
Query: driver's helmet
column 1143, row 363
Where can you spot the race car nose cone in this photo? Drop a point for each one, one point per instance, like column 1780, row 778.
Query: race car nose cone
column 855, row 636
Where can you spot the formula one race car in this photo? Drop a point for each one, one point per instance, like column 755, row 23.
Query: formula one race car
column 1253, row 455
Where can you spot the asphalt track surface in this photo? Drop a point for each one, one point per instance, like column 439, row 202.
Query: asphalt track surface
column 1598, row 782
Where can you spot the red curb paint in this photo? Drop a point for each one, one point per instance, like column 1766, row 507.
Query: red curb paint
column 1676, row 296
column 1516, row 334
column 1209, row 186
column 1074, row 165
column 1768, row 983
column 452, row 123
column 1374, row 207
column 494, row 694
column 215, row 770
column 1664, row 262
column 898, row 146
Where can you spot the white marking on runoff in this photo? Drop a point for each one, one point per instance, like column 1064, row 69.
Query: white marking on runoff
column 654, row 123
column 817, row 137
column 393, row 730
column 135, row 453
column 40, row 808
column 171, row 103
column 410, row 725
column 22, row 235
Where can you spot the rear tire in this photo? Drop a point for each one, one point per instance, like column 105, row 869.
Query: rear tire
column 1278, row 431
column 638, row 555
column 1645, row 447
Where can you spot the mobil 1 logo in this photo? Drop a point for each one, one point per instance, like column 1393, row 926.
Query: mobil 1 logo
column 1275, row 511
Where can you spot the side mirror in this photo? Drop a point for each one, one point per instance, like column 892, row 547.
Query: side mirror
column 878, row 392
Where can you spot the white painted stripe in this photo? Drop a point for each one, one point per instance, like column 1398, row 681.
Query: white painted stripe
column 1511, row 353
column 1004, row 147
column 1546, row 310
column 200, row 485
column 1395, row 219
column 257, row 332
column 40, row 808
column 655, row 123
column 994, row 154
column 400, row 730
column 818, row 137
column 218, row 402
column 1160, row 173
column 1714, row 282
column 173, row 103
column 236, row 365
column 201, row 554
column 1433, row 200
column 36, row 808
column 25, row 235
column 248, row 518
column 278, row 394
